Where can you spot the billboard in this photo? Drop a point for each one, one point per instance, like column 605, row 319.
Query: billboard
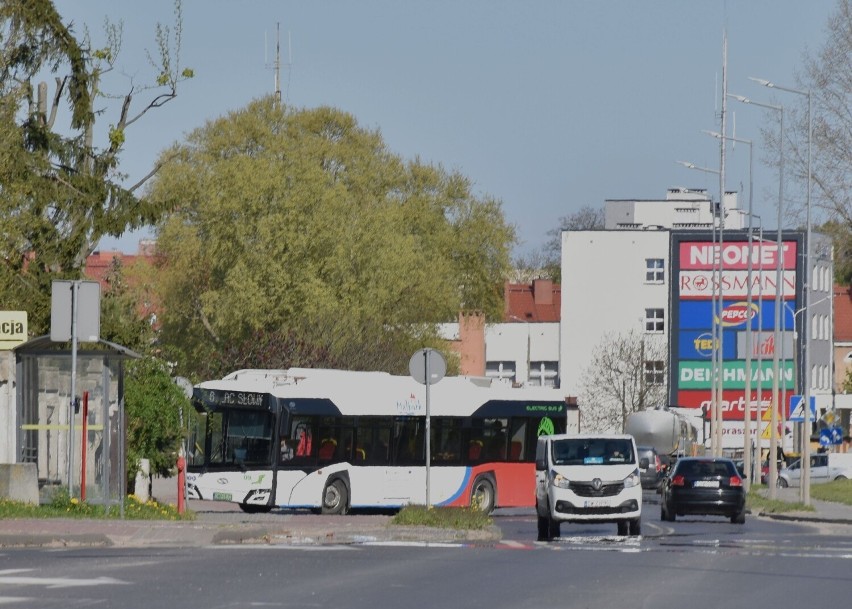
column 704, row 272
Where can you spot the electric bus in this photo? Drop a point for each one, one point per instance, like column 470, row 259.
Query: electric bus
column 335, row 440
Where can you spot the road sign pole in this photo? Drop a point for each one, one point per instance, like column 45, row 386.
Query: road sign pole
column 428, row 431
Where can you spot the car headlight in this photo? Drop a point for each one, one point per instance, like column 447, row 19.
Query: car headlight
column 632, row 480
column 558, row 480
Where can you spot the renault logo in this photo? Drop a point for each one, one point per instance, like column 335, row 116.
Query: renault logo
column 597, row 484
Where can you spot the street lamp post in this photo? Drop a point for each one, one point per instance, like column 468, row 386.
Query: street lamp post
column 776, row 364
column 805, row 488
column 716, row 354
column 747, row 414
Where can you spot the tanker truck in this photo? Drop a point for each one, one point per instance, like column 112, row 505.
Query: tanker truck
column 668, row 432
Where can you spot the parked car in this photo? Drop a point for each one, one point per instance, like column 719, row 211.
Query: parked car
column 650, row 467
column 824, row 468
column 703, row 485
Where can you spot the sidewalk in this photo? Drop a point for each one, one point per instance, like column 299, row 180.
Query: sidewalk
column 221, row 523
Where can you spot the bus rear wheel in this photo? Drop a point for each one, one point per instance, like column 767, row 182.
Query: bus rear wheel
column 482, row 496
column 335, row 498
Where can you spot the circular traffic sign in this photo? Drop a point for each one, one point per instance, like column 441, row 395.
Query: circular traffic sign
column 427, row 359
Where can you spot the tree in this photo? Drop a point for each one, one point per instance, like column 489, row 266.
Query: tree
column 301, row 224
column 828, row 76
column 155, row 409
column 61, row 189
column 548, row 260
column 626, row 374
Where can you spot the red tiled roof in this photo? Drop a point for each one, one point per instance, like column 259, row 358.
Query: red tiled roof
column 537, row 302
column 842, row 313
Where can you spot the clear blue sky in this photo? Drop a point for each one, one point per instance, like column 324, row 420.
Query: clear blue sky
column 545, row 105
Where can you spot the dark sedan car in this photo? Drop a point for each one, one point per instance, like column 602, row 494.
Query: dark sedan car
column 703, row 485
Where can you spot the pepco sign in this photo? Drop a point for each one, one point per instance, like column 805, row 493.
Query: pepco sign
column 737, row 314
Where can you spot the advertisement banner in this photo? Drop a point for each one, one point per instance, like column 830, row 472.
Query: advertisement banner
column 698, row 315
column 733, row 403
column 698, row 344
column 734, row 255
column 698, row 374
column 700, row 285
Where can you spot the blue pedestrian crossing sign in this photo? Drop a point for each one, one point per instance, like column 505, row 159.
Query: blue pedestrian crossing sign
column 796, row 414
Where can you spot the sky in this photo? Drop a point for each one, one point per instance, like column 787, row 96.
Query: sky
column 546, row 105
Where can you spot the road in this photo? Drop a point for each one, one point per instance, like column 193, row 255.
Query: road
column 694, row 563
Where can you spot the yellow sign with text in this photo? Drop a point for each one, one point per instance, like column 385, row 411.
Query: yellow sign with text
column 13, row 329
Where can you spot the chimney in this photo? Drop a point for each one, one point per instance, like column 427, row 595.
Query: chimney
column 543, row 292
column 472, row 339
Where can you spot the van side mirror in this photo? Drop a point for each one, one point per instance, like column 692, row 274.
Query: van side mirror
column 540, row 465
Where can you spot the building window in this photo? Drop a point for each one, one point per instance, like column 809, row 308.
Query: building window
column 654, row 320
column 544, row 374
column 500, row 370
column 654, row 270
column 655, row 373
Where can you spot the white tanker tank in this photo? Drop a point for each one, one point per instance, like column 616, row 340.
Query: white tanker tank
column 669, row 432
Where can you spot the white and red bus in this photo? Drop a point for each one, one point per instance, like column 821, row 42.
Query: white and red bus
column 333, row 440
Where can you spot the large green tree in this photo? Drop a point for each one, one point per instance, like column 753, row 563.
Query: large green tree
column 61, row 187
column 304, row 224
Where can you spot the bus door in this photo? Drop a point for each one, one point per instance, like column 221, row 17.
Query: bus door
column 406, row 474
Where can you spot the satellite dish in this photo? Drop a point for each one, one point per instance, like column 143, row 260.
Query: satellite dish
column 184, row 384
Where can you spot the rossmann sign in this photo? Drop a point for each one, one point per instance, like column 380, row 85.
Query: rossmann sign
column 703, row 271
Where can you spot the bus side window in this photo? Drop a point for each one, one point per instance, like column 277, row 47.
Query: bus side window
column 327, row 449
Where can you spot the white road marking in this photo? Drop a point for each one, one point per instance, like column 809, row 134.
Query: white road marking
column 10, row 576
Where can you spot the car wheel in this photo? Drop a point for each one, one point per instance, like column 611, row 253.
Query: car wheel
column 623, row 528
column 841, row 477
column 739, row 517
column 635, row 527
column 782, row 483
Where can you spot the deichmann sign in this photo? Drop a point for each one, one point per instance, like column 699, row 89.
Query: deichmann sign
column 13, row 329
column 698, row 375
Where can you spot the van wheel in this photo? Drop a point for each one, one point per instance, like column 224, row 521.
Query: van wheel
column 335, row 498
column 635, row 527
column 482, row 496
column 543, row 528
column 622, row 528
column 552, row 529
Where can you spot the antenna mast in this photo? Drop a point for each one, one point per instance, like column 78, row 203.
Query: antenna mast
column 278, row 63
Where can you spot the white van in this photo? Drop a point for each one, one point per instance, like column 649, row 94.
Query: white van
column 587, row 478
column 825, row 467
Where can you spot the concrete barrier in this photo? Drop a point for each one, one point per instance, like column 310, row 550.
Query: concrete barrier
column 19, row 482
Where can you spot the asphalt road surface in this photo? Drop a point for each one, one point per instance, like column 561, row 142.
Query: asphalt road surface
column 700, row 562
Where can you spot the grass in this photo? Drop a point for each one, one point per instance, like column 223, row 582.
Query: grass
column 838, row 491
column 64, row 506
column 462, row 518
column 756, row 501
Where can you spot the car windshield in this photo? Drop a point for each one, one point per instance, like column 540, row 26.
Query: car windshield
column 592, row 451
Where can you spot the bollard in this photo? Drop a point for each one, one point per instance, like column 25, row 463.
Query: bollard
column 181, row 481
column 143, row 479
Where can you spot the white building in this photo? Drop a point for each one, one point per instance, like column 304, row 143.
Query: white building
column 619, row 280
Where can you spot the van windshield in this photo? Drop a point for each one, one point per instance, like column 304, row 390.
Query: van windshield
column 592, row 451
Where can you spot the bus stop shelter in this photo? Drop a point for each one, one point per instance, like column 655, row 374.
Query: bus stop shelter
column 44, row 404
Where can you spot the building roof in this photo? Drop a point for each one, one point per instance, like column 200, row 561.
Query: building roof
column 540, row 301
column 842, row 313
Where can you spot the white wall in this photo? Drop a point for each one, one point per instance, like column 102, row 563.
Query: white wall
column 604, row 290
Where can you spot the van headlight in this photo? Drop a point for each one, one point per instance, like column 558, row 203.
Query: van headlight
column 558, row 480
column 632, row 480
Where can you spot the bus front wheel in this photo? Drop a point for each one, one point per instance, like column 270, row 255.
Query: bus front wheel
column 335, row 498
column 482, row 496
